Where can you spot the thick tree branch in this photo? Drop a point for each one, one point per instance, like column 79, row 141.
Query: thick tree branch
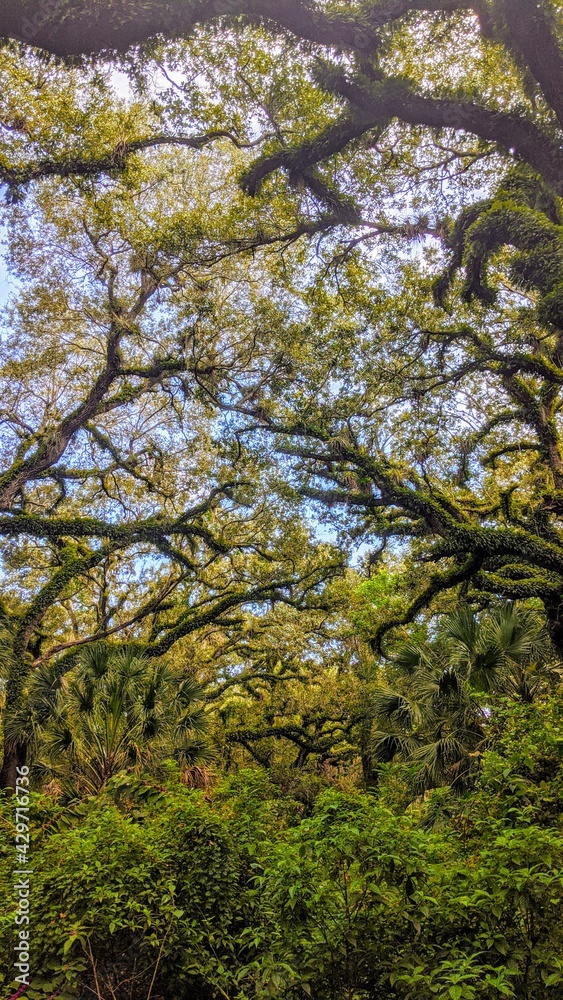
column 82, row 27
column 147, row 609
column 115, row 160
column 54, row 442
column 192, row 623
column 151, row 530
column 72, row 566
column 390, row 100
column 531, row 32
column 439, row 582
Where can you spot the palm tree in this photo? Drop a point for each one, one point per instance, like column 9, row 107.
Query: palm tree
column 116, row 710
column 437, row 721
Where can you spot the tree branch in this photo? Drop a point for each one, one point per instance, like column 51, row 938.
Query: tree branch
column 532, row 35
column 380, row 104
column 83, row 27
column 114, row 160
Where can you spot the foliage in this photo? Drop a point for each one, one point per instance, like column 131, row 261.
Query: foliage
column 236, row 895
column 281, row 494
column 118, row 479
column 115, row 710
column 437, row 718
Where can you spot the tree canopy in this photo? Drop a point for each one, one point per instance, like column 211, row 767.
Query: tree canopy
column 281, row 496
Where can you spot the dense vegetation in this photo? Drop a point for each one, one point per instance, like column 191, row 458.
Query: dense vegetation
column 281, row 497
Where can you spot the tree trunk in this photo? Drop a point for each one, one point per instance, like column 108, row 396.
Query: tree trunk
column 369, row 773
column 15, row 753
column 554, row 611
column 14, row 757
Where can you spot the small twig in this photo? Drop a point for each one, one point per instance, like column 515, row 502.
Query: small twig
column 158, row 960
column 94, row 970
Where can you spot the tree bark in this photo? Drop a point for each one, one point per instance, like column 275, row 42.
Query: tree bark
column 85, row 27
column 554, row 612
column 14, row 757
column 531, row 33
column 74, row 28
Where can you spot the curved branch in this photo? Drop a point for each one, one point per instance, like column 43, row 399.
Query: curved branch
column 439, row 582
column 531, row 32
column 151, row 530
column 84, row 27
column 149, row 608
column 213, row 614
column 379, row 105
column 114, row 160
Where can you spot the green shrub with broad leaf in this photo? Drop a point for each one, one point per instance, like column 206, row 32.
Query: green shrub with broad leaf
column 152, row 890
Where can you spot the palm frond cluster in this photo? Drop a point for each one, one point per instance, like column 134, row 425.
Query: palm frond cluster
column 436, row 719
column 115, row 711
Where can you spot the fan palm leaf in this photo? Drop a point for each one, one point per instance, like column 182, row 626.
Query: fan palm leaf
column 437, row 718
column 116, row 710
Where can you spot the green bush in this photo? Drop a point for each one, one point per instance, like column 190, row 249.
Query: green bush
column 122, row 895
column 152, row 892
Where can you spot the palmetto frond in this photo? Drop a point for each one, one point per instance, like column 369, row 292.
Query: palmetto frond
column 117, row 710
column 460, row 630
column 441, row 761
column 488, row 650
column 95, row 660
column 391, row 706
column 435, row 689
column 25, row 726
column 437, row 719
column 520, row 632
column 409, row 656
column 385, row 746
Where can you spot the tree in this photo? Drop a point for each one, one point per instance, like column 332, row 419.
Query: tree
column 115, row 711
column 125, row 508
column 436, row 719
column 290, row 696
column 413, row 114
column 382, row 83
column 445, row 427
column 307, row 267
